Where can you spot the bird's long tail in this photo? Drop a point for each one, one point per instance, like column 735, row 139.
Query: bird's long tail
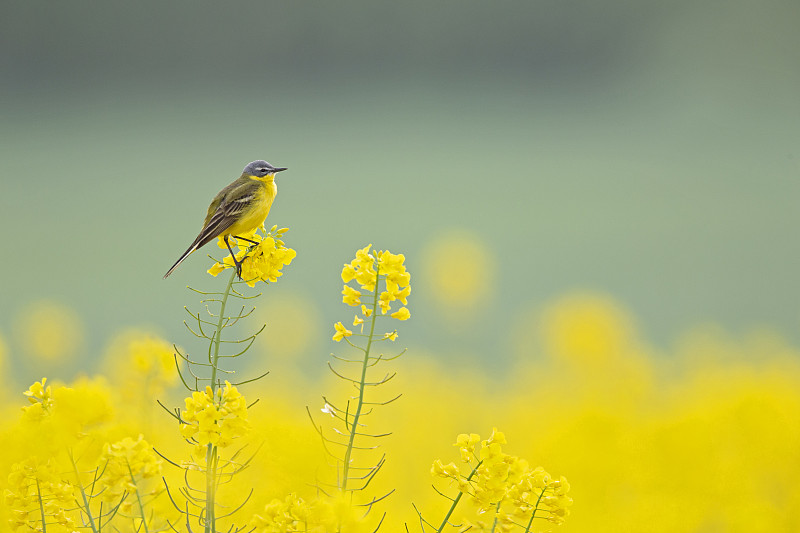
column 195, row 245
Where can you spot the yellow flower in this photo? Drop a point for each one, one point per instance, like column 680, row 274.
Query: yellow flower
column 362, row 269
column 366, row 268
column 226, row 263
column 260, row 262
column 363, row 257
column 265, row 261
column 449, row 470
column 438, row 468
column 367, row 277
column 37, row 488
column 341, row 332
column 401, row 314
column 468, row 445
column 127, row 461
column 403, row 294
column 391, row 336
column 491, row 453
column 351, row 296
column 216, row 268
column 497, row 437
column 37, row 393
column 348, row 273
column 385, row 302
column 215, row 417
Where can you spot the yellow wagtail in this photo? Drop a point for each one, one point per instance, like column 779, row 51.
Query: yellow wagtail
column 238, row 208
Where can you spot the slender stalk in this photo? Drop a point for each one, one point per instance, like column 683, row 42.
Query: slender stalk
column 83, row 492
column 357, row 414
column 41, row 506
column 218, row 334
column 496, row 510
column 456, row 500
column 536, row 508
column 211, row 485
column 211, row 452
column 138, row 498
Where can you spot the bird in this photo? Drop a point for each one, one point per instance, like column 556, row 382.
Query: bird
column 238, row 208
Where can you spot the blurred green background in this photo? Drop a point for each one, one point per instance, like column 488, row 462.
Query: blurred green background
column 647, row 150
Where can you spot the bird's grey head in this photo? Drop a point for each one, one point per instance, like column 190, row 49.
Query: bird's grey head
column 260, row 169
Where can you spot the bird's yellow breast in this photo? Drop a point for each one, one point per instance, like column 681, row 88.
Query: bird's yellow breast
column 259, row 209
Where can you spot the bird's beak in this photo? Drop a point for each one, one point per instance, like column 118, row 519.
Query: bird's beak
column 276, row 170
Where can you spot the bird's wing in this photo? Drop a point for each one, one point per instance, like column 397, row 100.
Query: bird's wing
column 231, row 202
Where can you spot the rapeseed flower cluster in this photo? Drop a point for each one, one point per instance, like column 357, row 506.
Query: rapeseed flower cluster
column 44, row 483
column 67, row 415
column 40, row 395
column 321, row 514
column 39, row 495
column 126, row 464
column 143, row 367
column 368, row 269
column 262, row 261
column 504, row 490
column 214, row 416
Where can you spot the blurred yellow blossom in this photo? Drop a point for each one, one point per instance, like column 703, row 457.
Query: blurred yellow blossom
column 124, row 463
column 142, row 364
column 3, row 353
column 504, row 490
column 322, row 514
column 586, row 328
column 66, row 415
column 293, row 324
column 37, row 490
column 439, row 469
column 49, row 331
column 468, row 446
column 497, row 437
column 459, row 272
column 41, row 396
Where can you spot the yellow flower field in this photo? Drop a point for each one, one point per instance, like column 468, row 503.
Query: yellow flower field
column 591, row 429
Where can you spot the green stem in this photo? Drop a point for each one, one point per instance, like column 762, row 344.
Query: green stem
column 496, row 511
column 83, row 492
column 211, row 485
column 211, row 453
column 536, row 508
column 456, row 500
column 138, row 498
column 41, row 506
column 365, row 364
column 218, row 334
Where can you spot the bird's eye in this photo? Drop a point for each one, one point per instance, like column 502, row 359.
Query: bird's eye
column 264, row 170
